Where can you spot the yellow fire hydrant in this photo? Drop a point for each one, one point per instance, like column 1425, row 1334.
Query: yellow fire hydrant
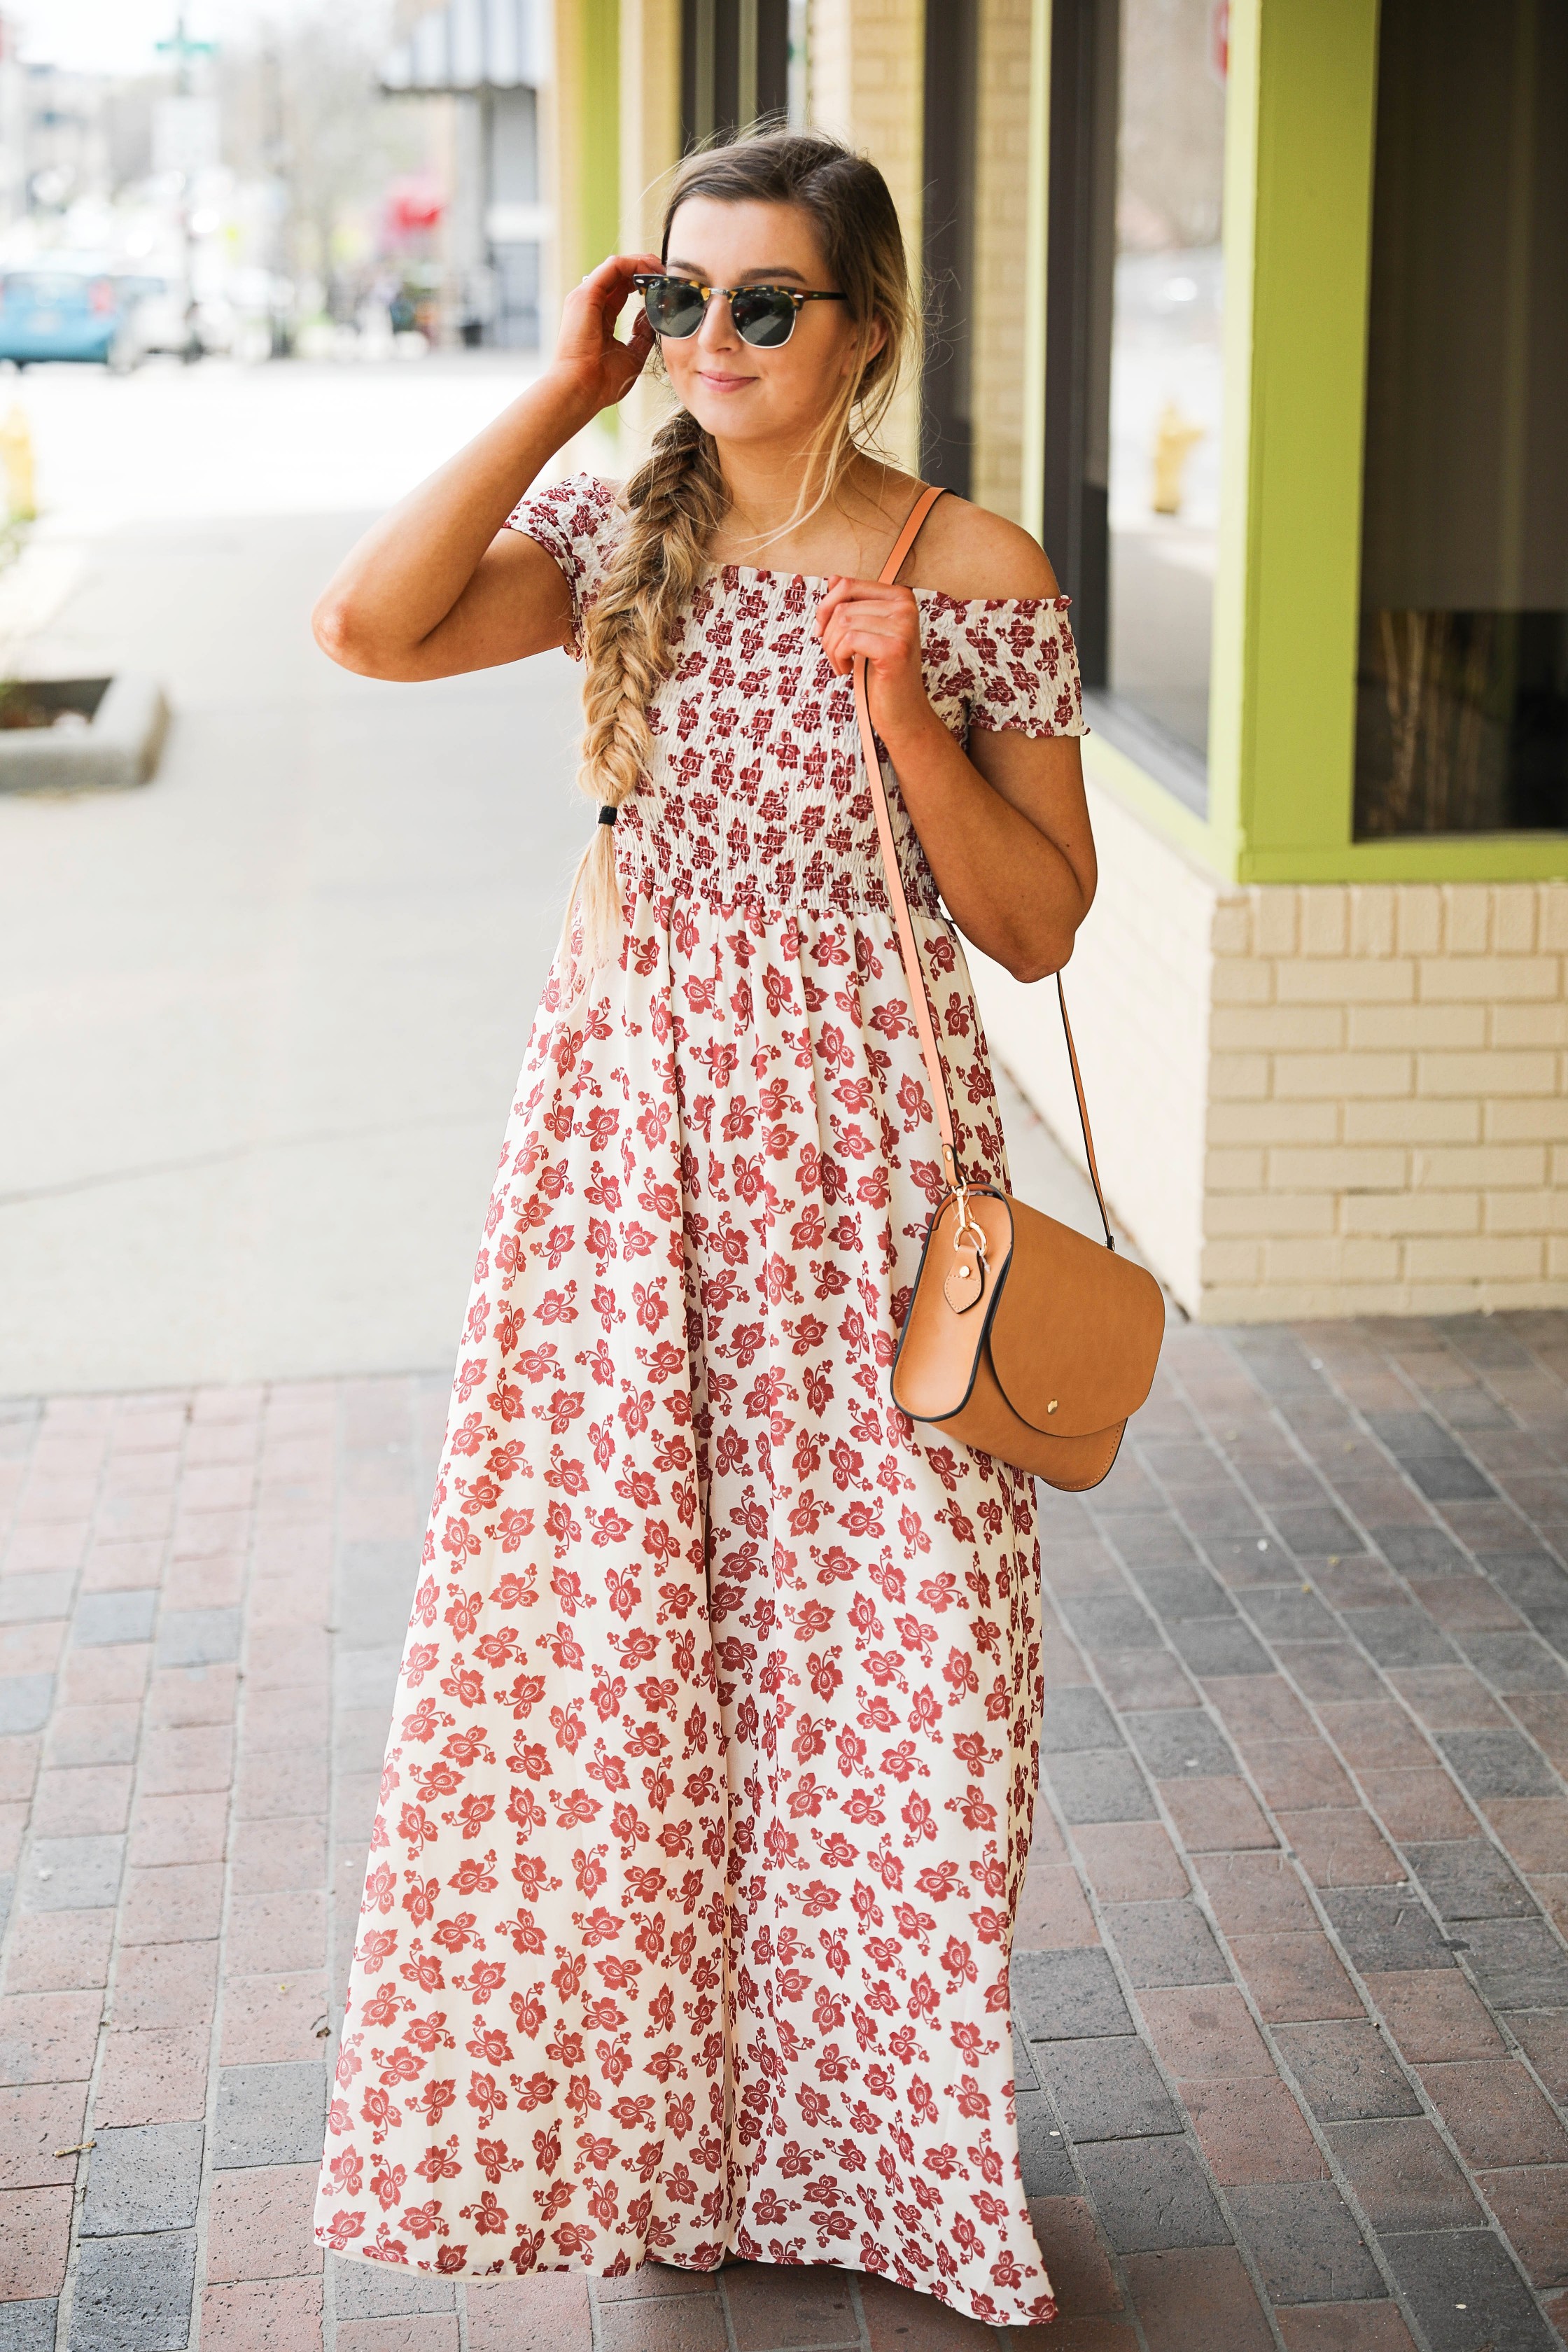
column 1175, row 439
column 16, row 458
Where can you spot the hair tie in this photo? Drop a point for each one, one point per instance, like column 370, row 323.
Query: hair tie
column 606, row 814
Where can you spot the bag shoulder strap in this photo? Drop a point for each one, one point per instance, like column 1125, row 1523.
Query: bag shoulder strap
column 914, row 971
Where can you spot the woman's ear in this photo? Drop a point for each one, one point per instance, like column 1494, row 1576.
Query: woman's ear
column 860, row 354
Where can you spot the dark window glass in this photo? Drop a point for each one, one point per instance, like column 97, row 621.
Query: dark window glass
column 1164, row 436
column 735, row 65
column 951, row 58
column 1462, row 705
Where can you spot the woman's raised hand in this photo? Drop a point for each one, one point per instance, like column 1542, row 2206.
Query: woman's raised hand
column 587, row 349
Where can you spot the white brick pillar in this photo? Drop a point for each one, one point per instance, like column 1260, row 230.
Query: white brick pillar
column 1317, row 1099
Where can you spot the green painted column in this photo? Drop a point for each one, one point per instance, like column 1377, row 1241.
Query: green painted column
column 599, row 93
column 1312, row 65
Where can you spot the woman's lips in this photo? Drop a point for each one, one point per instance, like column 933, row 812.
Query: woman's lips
column 724, row 382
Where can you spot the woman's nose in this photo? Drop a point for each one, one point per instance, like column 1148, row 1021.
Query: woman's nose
column 718, row 330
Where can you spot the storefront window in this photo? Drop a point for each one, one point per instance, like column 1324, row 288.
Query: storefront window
column 1165, row 432
column 1134, row 304
column 1462, row 705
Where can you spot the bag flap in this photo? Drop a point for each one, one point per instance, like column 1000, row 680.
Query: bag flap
column 1075, row 1334
column 934, row 1369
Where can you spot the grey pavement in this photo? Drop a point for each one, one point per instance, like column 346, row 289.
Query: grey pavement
column 1289, row 1981
column 264, row 1016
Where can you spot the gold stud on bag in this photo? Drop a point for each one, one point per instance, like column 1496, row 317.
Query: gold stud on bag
column 1068, row 1332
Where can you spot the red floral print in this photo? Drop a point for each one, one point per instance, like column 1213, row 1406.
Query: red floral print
column 712, row 1766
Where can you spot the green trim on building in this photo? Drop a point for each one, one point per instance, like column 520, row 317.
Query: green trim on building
column 1229, row 749
column 1317, row 66
column 1418, row 858
column 599, row 144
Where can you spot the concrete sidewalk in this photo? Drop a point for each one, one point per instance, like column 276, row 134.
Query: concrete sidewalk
column 1291, row 1985
column 264, row 1017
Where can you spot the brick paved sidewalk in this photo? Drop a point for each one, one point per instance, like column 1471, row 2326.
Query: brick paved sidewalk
column 1291, row 1986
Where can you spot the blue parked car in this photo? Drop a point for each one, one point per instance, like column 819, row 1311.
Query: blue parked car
column 59, row 314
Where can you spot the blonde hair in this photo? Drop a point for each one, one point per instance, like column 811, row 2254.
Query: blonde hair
column 677, row 500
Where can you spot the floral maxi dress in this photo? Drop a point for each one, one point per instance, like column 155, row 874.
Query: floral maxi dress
column 712, row 1764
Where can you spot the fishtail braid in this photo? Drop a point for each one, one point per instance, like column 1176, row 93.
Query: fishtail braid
column 676, row 501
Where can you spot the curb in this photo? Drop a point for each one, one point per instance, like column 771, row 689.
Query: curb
column 120, row 748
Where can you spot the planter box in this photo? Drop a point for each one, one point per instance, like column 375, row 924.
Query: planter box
column 127, row 718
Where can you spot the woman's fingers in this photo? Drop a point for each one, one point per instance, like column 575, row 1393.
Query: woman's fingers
column 635, row 348
column 609, row 287
column 867, row 608
column 843, row 595
column 842, row 586
column 879, row 613
column 881, row 651
column 630, row 265
column 588, row 341
column 618, row 270
column 886, row 628
column 876, row 645
column 868, row 619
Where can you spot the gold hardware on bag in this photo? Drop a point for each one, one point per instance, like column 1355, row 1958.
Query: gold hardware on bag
column 1060, row 1310
column 965, row 1284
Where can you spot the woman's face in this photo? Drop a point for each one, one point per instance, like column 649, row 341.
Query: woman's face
column 737, row 392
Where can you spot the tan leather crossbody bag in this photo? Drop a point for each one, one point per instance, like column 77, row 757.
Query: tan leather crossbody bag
column 1024, row 1338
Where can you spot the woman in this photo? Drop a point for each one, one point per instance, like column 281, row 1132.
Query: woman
column 711, row 1771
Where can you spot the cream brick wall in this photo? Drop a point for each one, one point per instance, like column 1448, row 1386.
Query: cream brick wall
column 1315, row 1100
column 999, row 316
column 1422, row 1033
column 866, row 73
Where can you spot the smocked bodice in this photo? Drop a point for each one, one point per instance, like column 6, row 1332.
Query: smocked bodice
column 756, row 792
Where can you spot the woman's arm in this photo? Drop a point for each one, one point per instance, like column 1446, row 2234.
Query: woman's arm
column 1005, row 829
column 439, row 584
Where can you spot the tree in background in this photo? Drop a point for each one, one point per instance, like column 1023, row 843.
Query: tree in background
column 302, row 111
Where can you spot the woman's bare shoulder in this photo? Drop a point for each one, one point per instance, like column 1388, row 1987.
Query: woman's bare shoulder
column 967, row 551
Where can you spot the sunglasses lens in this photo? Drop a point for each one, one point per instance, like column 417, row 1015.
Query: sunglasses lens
column 763, row 317
column 673, row 306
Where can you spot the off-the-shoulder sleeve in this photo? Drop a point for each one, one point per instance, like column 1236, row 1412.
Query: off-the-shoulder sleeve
column 578, row 523
column 1012, row 662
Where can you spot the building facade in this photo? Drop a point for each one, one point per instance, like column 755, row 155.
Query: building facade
column 1258, row 316
column 489, row 60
